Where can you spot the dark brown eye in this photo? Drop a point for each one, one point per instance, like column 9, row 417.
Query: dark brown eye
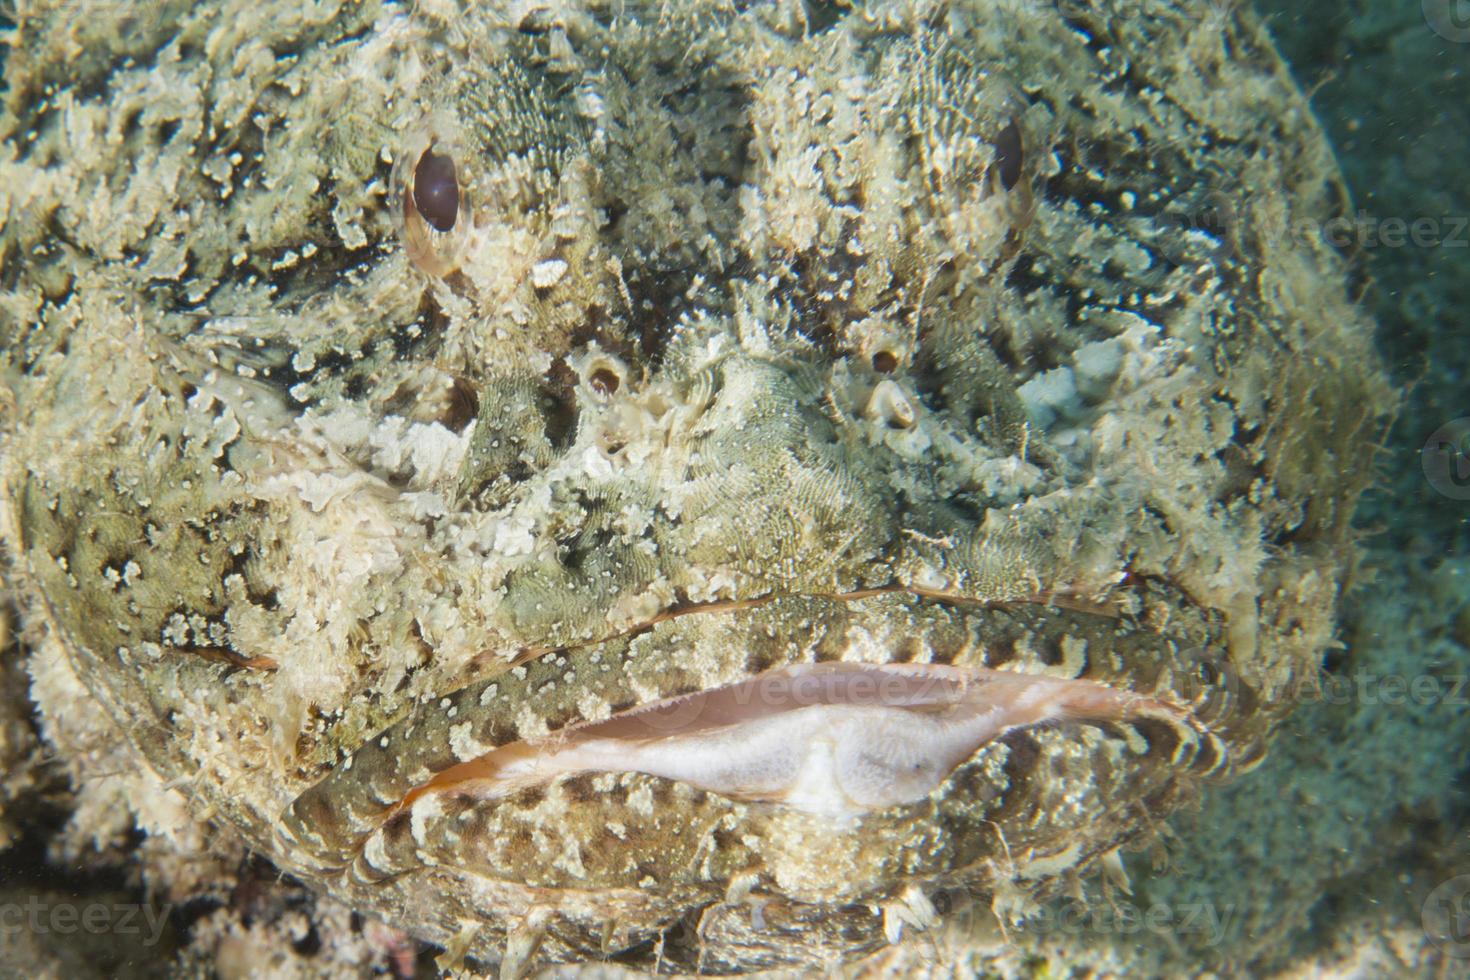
column 1009, row 155
column 436, row 190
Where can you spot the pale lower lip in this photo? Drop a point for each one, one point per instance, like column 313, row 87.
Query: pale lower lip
column 834, row 739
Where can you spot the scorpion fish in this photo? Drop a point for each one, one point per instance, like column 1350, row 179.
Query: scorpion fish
column 562, row 476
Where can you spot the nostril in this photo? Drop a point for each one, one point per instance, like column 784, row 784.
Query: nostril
column 436, row 190
column 604, row 380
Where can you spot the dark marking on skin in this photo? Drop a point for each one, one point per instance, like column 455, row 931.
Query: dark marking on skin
column 1049, row 651
column 1001, row 650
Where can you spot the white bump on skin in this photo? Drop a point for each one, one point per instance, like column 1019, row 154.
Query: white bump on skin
column 463, row 743
column 547, row 272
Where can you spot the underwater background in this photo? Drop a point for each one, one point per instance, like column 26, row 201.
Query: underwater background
column 1348, row 852
column 1349, row 849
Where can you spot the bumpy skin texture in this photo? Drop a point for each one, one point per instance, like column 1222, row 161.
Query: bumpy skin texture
column 945, row 333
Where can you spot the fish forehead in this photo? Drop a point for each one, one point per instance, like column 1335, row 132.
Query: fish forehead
column 744, row 355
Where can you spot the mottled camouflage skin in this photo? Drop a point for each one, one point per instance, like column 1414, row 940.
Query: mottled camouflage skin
column 738, row 356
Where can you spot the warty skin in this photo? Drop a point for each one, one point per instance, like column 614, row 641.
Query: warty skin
column 953, row 334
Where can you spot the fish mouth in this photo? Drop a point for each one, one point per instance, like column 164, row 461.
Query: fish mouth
column 838, row 740
column 857, row 712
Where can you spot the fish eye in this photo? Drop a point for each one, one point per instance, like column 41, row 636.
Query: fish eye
column 1009, row 155
column 436, row 190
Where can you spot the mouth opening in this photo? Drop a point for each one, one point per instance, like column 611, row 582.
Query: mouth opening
column 833, row 739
